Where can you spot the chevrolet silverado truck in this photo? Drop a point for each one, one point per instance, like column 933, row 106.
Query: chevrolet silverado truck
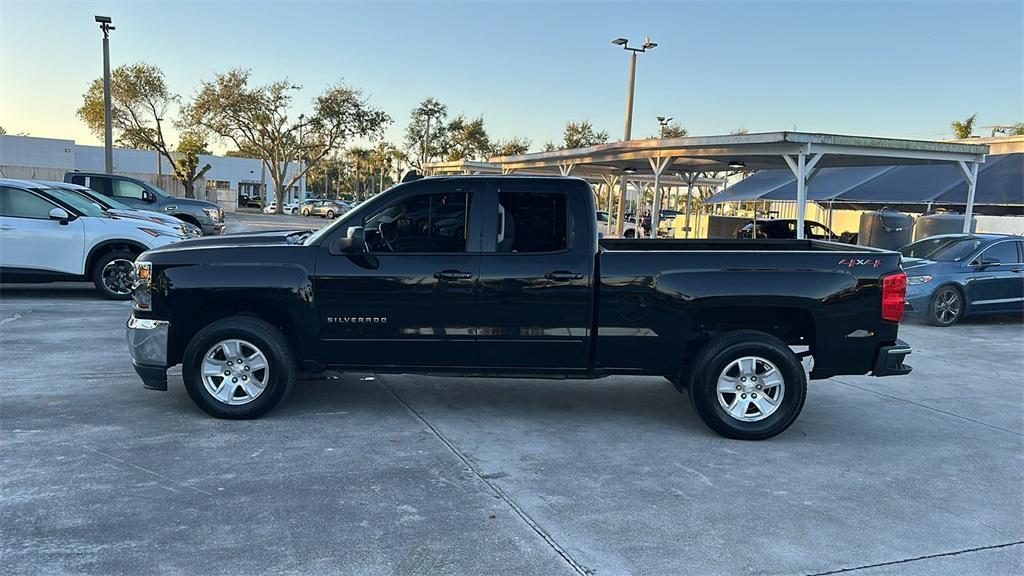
column 505, row 276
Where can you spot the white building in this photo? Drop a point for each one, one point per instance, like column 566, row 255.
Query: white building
column 33, row 158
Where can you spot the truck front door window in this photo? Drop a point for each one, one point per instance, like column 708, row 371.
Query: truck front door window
column 127, row 189
column 427, row 223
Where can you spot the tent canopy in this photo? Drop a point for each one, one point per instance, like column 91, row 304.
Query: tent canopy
column 1000, row 187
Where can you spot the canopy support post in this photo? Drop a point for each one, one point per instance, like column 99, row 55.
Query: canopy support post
column 691, row 177
column 804, row 171
column 969, row 170
column 566, row 168
column 620, row 216
column 658, row 165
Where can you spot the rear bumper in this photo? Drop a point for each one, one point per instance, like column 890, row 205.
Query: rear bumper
column 889, row 360
column 147, row 343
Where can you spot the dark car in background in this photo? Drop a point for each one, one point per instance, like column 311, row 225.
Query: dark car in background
column 144, row 196
column 956, row 275
column 785, row 229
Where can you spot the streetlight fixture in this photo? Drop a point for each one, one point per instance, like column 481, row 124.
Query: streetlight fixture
column 664, row 124
column 647, row 45
column 108, row 132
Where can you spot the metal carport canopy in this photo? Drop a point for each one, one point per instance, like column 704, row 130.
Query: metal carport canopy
column 802, row 152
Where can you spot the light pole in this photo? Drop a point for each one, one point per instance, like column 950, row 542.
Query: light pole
column 664, row 124
column 647, row 45
column 108, row 133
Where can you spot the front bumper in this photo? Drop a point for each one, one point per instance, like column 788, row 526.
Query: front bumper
column 889, row 360
column 147, row 343
column 213, row 228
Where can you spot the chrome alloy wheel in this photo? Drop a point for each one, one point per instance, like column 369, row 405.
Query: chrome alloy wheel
column 947, row 306
column 235, row 372
column 117, row 276
column 750, row 389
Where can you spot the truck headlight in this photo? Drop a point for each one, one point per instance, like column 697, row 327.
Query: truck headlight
column 142, row 294
column 214, row 213
column 915, row 280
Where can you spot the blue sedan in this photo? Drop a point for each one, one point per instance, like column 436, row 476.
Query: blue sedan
column 954, row 275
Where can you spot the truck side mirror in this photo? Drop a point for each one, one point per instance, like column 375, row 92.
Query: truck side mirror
column 61, row 215
column 352, row 244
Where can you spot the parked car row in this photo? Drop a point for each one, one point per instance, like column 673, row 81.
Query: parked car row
column 52, row 232
column 325, row 208
column 142, row 195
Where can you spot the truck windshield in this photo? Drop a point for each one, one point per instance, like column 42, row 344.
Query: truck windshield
column 941, row 249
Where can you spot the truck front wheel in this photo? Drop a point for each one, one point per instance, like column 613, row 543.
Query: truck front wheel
column 747, row 385
column 238, row 368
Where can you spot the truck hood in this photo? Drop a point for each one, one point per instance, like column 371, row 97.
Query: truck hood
column 268, row 238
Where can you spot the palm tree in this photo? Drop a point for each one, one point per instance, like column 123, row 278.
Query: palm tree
column 964, row 130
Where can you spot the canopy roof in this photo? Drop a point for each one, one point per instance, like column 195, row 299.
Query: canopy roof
column 1000, row 184
column 756, row 151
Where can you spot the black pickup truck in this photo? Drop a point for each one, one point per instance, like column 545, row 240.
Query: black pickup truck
column 506, row 276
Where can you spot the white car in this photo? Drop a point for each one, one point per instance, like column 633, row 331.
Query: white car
column 628, row 228
column 117, row 208
column 290, row 208
column 51, row 235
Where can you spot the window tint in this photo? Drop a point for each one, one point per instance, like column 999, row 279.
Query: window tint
column 78, row 179
column 532, row 222
column 99, row 184
column 424, row 223
column 23, row 204
column 1004, row 253
column 127, row 189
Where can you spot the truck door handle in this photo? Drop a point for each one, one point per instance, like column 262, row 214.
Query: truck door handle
column 563, row 276
column 452, row 275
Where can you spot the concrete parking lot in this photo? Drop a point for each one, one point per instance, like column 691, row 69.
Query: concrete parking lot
column 367, row 474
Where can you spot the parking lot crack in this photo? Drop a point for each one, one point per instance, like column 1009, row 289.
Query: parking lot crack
column 918, row 558
column 146, row 470
column 497, row 490
column 925, row 406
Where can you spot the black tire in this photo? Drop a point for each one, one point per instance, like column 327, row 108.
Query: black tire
column 330, row 214
column 114, row 283
column 946, row 306
column 629, row 234
column 720, row 353
column 305, row 213
column 268, row 339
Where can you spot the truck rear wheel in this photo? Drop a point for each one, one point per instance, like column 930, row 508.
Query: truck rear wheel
column 238, row 368
column 747, row 385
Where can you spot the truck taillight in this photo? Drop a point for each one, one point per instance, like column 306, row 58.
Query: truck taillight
column 894, row 296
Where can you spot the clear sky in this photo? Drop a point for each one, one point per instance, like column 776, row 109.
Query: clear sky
column 902, row 69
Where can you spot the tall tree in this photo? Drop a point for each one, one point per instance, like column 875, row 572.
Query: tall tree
column 360, row 160
column 511, row 147
column 467, row 139
column 964, row 129
column 186, row 163
column 425, row 137
column 140, row 103
column 2, row 131
column 382, row 159
column 257, row 119
column 578, row 135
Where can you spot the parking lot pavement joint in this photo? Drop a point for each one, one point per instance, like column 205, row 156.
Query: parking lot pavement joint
column 497, row 490
column 919, row 558
column 925, row 406
column 147, row 471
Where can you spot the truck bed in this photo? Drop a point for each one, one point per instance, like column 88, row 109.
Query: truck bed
column 824, row 295
column 729, row 245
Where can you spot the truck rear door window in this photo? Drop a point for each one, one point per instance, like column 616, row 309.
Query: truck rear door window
column 531, row 222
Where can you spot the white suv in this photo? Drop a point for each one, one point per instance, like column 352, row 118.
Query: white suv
column 52, row 235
